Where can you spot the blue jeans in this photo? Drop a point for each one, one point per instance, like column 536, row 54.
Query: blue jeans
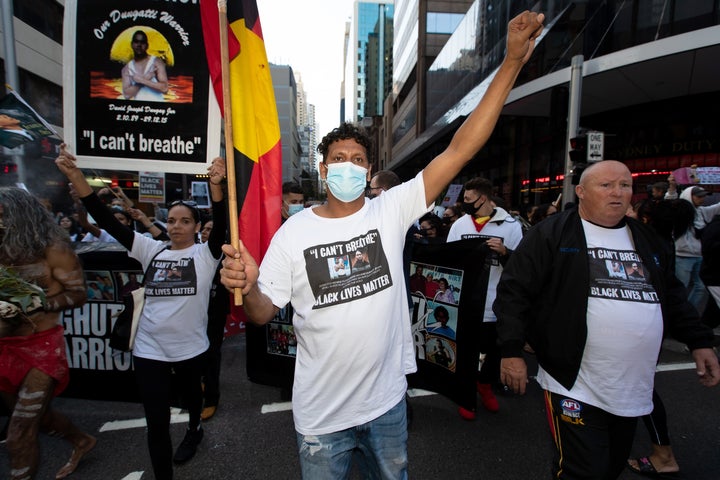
column 687, row 270
column 382, row 444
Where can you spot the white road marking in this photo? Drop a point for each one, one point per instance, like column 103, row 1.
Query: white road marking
column 133, row 476
column 276, row 407
column 175, row 417
column 417, row 392
column 285, row 406
column 671, row 367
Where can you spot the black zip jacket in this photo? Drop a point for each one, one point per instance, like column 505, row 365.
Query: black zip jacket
column 542, row 296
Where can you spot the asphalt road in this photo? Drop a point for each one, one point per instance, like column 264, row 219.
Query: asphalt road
column 252, row 436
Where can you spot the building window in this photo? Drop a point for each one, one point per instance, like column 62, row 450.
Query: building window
column 443, row 23
column 45, row 16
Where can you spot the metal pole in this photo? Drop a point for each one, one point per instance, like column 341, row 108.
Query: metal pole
column 573, row 121
column 11, row 75
column 11, row 71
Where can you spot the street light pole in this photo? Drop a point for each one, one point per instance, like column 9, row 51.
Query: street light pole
column 573, row 122
column 11, row 75
column 11, row 71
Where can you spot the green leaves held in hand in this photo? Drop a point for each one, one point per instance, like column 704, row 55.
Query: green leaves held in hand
column 18, row 296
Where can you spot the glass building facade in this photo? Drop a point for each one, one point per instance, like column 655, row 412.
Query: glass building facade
column 650, row 70
column 368, row 76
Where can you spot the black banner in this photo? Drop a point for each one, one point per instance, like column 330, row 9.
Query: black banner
column 447, row 313
column 96, row 370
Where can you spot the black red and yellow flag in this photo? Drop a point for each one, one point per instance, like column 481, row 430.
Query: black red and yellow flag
column 256, row 130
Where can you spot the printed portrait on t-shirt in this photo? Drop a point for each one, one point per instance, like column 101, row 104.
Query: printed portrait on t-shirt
column 605, row 282
column 339, row 266
column 615, row 269
column 360, row 262
column 171, row 278
column 635, row 271
column 343, row 271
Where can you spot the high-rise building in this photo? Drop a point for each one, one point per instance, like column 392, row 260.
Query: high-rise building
column 368, row 59
column 307, row 132
column 648, row 69
column 421, row 29
column 286, row 99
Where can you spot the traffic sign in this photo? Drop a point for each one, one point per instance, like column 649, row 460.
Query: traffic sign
column 595, row 146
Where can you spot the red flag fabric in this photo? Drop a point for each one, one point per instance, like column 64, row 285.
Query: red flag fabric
column 256, row 129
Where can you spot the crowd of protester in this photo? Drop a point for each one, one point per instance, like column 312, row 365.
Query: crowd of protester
column 349, row 394
column 671, row 211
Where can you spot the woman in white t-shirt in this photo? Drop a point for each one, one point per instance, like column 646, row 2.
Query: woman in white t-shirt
column 171, row 333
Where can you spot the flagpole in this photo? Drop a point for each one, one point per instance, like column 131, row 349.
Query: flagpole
column 229, row 147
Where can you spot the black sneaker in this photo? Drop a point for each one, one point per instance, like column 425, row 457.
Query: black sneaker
column 188, row 446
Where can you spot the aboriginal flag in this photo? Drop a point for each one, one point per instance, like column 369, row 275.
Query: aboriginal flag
column 256, row 131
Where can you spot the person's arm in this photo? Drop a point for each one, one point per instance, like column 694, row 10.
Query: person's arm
column 513, row 374
column 216, row 172
column 154, row 230
column 84, row 222
column 119, row 193
column 516, row 297
column 477, row 128
column 241, row 271
column 707, row 368
column 158, row 72
column 66, row 270
column 129, row 87
column 672, row 192
column 82, row 214
column 66, row 164
column 707, row 213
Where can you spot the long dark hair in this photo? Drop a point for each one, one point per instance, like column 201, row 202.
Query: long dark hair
column 28, row 228
column 74, row 227
column 670, row 218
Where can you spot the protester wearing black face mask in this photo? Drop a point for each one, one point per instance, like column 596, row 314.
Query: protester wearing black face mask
column 471, row 207
column 431, row 229
column 501, row 233
column 450, row 215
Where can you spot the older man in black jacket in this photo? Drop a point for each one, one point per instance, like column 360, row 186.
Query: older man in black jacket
column 597, row 336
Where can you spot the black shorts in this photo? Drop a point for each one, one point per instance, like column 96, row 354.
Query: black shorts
column 590, row 442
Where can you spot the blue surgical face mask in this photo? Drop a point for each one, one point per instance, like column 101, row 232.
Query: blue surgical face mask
column 294, row 208
column 346, row 181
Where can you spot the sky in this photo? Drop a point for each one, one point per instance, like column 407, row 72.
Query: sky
column 308, row 35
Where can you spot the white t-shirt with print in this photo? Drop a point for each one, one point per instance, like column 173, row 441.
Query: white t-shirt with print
column 354, row 343
column 625, row 329
column 173, row 325
column 510, row 232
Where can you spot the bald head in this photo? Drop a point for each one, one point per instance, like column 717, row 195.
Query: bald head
column 605, row 190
